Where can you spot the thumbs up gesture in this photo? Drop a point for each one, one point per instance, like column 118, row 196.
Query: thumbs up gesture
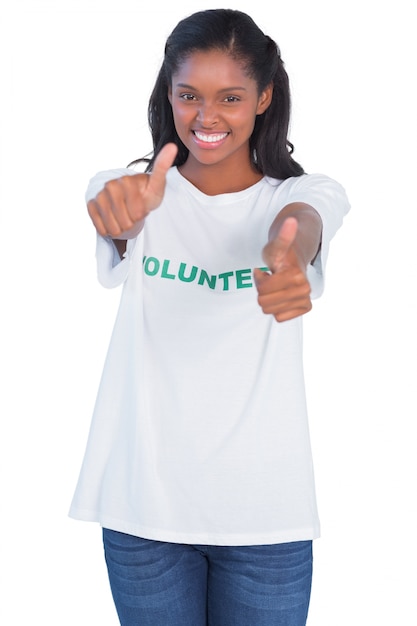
column 120, row 208
column 285, row 291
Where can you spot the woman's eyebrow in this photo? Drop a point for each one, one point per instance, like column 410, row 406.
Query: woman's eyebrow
column 225, row 89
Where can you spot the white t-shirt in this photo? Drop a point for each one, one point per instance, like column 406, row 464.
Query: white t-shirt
column 200, row 431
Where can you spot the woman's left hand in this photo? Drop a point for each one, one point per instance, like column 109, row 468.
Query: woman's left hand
column 285, row 291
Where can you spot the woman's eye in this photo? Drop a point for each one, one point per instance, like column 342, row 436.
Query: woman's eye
column 187, row 96
column 231, row 99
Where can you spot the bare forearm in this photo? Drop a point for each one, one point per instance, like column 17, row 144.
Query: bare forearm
column 308, row 237
column 121, row 241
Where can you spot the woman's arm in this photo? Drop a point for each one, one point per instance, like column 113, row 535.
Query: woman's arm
column 119, row 210
column 293, row 242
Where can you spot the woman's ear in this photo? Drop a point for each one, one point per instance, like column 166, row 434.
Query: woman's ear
column 265, row 99
column 169, row 94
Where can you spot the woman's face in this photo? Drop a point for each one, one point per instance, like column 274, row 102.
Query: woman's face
column 214, row 105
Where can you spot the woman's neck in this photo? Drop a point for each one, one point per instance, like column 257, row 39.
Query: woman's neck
column 219, row 178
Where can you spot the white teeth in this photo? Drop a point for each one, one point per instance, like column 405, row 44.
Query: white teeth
column 210, row 138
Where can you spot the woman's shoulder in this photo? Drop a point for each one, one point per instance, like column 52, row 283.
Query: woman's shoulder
column 307, row 183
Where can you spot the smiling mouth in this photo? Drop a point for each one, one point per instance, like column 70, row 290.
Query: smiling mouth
column 211, row 138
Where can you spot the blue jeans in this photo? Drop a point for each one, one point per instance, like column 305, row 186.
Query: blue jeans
column 166, row 584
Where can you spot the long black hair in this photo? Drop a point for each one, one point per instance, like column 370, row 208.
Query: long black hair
column 237, row 34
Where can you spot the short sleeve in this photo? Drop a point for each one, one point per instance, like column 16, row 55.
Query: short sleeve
column 111, row 270
column 329, row 199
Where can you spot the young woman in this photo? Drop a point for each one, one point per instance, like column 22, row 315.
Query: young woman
column 198, row 464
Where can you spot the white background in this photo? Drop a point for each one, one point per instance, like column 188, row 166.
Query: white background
column 75, row 77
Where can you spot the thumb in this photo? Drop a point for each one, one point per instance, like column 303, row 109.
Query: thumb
column 276, row 251
column 163, row 162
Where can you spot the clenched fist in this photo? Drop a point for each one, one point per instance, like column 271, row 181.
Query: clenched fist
column 285, row 291
column 120, row 208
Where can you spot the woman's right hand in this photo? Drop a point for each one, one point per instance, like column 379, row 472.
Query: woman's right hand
column 119, row 210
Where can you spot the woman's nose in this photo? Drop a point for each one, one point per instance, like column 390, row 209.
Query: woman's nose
column 207, row 115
